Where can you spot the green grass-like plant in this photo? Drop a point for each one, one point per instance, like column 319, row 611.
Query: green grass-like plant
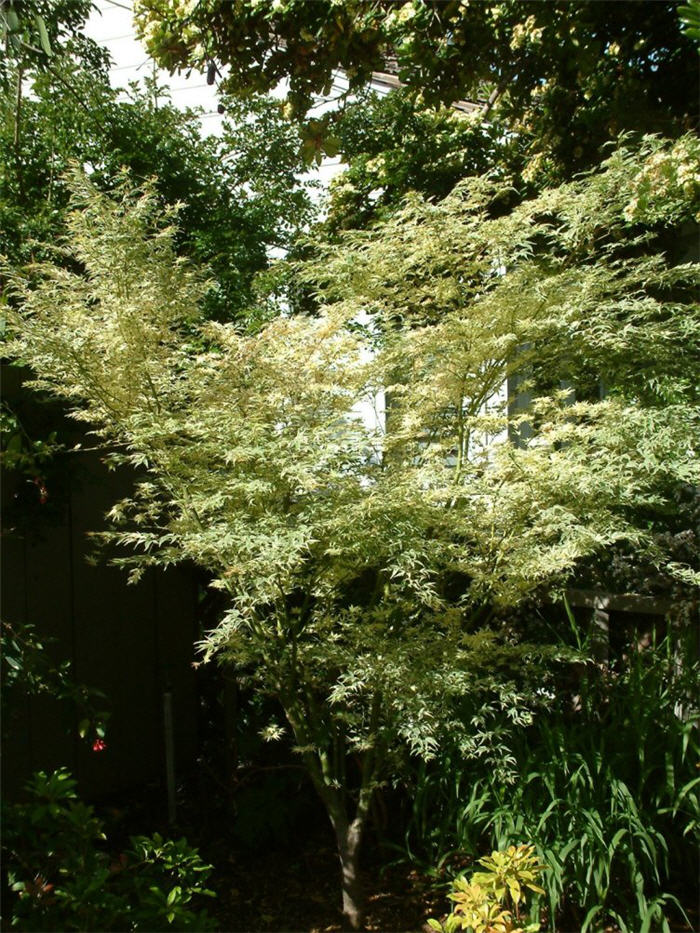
column 609, row 795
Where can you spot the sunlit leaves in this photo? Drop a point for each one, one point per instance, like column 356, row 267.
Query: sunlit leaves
column 357, row 546
column 567, row 77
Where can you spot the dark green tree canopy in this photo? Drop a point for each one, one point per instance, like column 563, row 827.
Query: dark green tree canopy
column 568, row 75
column 392, row 147
column 241, row 198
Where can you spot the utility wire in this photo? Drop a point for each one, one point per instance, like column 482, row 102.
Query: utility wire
column 122, row 6
column 337, row 74
column 125, row 67
column 127, row 35
column 133, row 67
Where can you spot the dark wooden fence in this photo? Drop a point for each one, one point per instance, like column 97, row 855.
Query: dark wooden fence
column 134, row 642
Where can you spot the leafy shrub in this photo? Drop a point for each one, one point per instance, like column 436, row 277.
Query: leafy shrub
column 487, row 902
column 64, row 878
column 27, row 670
column 609, row 795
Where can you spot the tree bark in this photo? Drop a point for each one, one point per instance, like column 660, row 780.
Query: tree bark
column 349, row 838
column 331, row 788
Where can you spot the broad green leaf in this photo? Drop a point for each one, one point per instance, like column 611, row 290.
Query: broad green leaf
column 43, row 34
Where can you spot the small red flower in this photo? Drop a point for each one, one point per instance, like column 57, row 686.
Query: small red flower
column 39, row 889
column 43, row 491
column 99, row 745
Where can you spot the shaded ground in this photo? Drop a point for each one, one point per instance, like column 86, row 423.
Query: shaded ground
column 275, row 890
column 276, row 869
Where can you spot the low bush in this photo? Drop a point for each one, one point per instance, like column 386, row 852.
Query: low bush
column 61, row 874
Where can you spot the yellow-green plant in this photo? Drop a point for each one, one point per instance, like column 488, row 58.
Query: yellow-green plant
column 509, row 873
column 483, row 903
column 618, row 824
column 476, row 910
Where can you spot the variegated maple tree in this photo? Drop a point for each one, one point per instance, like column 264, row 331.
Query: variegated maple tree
column 359, row 483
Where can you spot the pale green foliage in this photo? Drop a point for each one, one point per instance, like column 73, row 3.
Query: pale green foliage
column 113, row 332
column 356, row 556
column 667, row 183
column 261, row 470
column 562, row 290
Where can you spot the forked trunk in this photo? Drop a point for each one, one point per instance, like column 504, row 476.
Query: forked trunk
column 331, row 789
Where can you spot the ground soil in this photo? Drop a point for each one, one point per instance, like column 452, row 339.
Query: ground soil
column 281, row 878
column 273, row 890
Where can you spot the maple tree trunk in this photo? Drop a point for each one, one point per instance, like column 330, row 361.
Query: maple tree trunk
column 348, row 838
column 331, row 789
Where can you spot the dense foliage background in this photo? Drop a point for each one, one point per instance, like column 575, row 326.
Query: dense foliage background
column 470, row 386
